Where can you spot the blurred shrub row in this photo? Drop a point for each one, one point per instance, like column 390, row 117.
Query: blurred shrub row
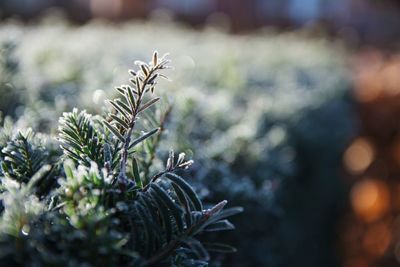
column 267, row 116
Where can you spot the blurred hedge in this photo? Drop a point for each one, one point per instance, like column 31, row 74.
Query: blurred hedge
column 267, row 116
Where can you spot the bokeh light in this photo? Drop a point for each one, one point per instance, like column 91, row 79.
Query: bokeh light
column 359, row 155
column 370, row 199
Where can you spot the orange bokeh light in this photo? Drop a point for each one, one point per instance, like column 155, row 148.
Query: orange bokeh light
column 370, row 199
column 376, row 76
column 359, row 156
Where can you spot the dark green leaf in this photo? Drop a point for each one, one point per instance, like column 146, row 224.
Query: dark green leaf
column 175, row 209
column 124, row 106
column 143, row 137
column 120, row 121
column 148, row 229
column 148, row 104
column 165, row 215
column 187, row 189
column 114, row 131
column 197, row 248
column 184, row 202
column 120, row 109
column 220, row 226
column 220, row 248
column 136, row 174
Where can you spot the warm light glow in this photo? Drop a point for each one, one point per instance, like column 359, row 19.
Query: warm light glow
column 368, row 89
column 368, row 86
column 370, row 199
column 376, row 76
column 359, row 156
column 391, row 78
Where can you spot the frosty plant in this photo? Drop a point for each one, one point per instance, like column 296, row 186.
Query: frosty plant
column 110, row 207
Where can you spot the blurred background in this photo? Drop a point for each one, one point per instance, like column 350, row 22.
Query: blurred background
column 290, row 108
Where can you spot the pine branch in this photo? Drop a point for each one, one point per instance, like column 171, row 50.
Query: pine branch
column 123, row 122
column 171, row 167
column 21, row 159
column 79, row 138
column 206, row 215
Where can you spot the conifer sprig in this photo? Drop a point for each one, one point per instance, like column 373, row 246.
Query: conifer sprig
column 122, row 121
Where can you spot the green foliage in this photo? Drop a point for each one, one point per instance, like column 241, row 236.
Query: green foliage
column 103, row 211
column 79, row 138
column 22, row 155
column 34, row 235
column 21, row 159
column 267, row 124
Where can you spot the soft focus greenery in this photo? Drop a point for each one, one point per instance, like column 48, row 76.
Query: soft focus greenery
column 265, row 117
column 102, row 202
